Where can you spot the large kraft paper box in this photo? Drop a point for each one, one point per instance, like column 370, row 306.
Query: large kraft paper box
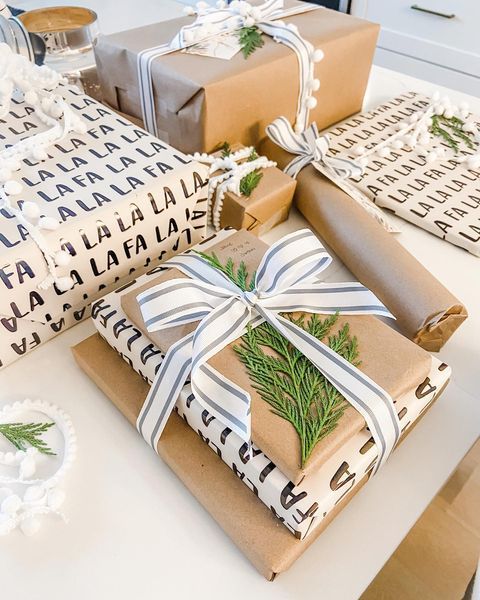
column 388, row 358
column 301, row 508
column 223, row 492
column 202, row 101
column 124, row 201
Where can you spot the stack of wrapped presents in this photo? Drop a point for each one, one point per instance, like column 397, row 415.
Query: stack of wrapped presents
column 273, row 393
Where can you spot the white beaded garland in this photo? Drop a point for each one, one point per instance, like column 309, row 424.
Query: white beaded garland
column 12, row 188
column 30, row 210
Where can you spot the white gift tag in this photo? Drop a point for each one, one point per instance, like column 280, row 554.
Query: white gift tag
column 224, row 46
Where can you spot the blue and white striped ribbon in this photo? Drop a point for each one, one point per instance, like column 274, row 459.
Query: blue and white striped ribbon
column 211, row 22
column 309, row 147
column 286, row 281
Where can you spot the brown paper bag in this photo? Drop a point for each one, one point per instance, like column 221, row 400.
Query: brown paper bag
column 387, row 357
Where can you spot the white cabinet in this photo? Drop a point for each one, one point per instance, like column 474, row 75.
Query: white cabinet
column 437, row 40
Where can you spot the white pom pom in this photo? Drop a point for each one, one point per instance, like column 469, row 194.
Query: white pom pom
column 62, row 258
column 314, row 85
column 5, row 174
column 249, row 21
column 11, row 505
column 469, row 127
column 48, row 223
column 30, row 526
column 398, row 144
column 448, row 114
column 27, row 468
column 317, row 55
column 31, row 97
column 410, row 141
column 425, row 139
column 33, row 493
column 46, row 103
column 38, row 153
column 473, row 162
column 363, row 162
column 256, row 13
column 431, row 157
column 12, row 188
column 413, row 118
column 30, row 210
column 64, row 284
column 310, row 102
column 201, row 5
column 439, row 109
column 298, row 128
column 243, row 9
column 55, row 499
column 221, row 4
column 189, row 11
column 402, row 125
column 384, row 152
column 359, row 150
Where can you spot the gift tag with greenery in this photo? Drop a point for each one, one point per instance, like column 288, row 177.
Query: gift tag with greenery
column 284, row 378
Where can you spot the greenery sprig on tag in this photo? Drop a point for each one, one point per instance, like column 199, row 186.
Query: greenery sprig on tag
column 450, row 129
column 293, row 387
column 22, row 435
column 250, row 40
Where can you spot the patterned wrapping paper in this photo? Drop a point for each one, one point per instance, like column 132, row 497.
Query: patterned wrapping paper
column 301, row 508
column 124, row 201
column 442, row 197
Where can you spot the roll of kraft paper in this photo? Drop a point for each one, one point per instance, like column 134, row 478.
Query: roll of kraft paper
column 426, row 311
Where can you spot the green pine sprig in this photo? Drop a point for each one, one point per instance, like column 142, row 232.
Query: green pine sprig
column 250, row 181
column 285, row 379
column 451, row 131
column 22, row 435
column 250, row 40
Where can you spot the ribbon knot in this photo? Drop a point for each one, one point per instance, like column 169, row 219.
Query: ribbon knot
column 287, row 280
column 309, row 147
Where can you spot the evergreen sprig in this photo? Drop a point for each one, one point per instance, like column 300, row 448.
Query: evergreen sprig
column 250, row 40
column 250, row 181
column 22, row 435
column 451, row 131
column 293, row 387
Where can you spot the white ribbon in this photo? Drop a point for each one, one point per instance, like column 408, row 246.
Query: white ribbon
column 211, row 22
column 233, row 168
column 312, row 148
column 286, row 281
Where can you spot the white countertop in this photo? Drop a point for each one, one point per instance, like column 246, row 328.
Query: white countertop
column 136, row 532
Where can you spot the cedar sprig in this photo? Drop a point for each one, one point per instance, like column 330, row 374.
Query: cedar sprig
column 250, row 181
column 250, row 40
column 22, row 435
column 284, row 378
column 451, row 131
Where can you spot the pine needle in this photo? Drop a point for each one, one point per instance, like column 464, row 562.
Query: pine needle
column 250, row 182
column 451, row 131
column 22, row 435
column 250, row 40
column 292, row 386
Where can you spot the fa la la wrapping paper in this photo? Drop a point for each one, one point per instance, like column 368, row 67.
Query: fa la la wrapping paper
column 303, row 507
column 124, row 199
column 442, row 197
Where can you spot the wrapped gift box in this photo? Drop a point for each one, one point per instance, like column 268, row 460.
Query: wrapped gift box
column 124, row 201
column 438, row 195
column 202, row 101
column 303, row 507
column 389, row 359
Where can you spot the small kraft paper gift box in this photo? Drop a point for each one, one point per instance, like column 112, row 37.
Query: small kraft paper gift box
column 303, row 494
column 87, row 200
column 245, row 190
column 226, row 72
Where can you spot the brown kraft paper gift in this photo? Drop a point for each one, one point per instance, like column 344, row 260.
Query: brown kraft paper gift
column 202, row 101
column 267, row 544
column 387, row 357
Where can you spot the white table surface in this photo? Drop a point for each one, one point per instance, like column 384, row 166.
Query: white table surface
column 136, row 532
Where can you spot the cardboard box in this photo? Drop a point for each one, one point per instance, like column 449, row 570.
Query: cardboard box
column 201, row 101
column 124, row 201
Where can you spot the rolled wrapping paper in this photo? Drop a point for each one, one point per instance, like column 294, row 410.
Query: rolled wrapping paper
column 425, row 310
column 304, row 507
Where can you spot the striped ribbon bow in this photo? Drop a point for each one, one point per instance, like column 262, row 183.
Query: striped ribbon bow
column 212, row 21
column 287, row 280
column 312, row 148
